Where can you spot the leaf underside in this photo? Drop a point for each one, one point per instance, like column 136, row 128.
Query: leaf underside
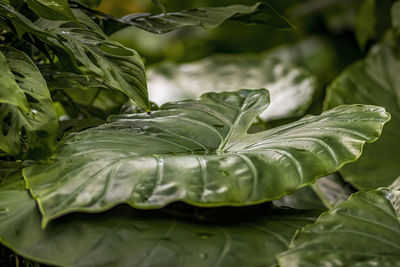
column 127, row 237
column 198, row 152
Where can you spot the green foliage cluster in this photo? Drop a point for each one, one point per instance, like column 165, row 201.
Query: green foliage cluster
column 217, row 171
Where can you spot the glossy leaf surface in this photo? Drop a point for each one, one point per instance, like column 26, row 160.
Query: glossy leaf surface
column 10, row 92
column 84, row 48
column 39, row 122
column 128, row 237
column 362, row 231
column 198, row 152
column 375, row 81
column 206, row 17
column 291, row 87
column 54, row 9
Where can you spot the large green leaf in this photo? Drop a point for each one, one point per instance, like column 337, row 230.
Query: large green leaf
column 375, row 81
column 37, row 128
column 84, row 48
column 198, row 152
column 206, row 17
column 128, row 237
column 362, row 231
column 54, row 9
column 291, row 87
column 10, row 92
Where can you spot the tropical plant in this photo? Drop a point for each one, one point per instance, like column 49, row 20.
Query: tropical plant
column 217, row 171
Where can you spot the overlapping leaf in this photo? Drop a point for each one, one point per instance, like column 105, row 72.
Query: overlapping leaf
column 375, row 81
column 127, row 237
column 36, row 128
column 84, row 48
column 54, row 9
column 10, row 92
column 206, row 17
column 362, row 231
column 327, row 192
column 291, row 87
column 198, row 152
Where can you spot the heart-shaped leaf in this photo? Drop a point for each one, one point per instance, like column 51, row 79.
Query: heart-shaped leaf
column 291, row 87
column 198, row 152
column 128, row 237
column 374, row 81
column 362, row 231
column 37, row 128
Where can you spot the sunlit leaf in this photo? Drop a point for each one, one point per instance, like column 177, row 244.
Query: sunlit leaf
column 198, row 152
column 291, row 87
column 375, row 81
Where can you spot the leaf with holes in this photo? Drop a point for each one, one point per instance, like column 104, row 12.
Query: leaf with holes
column 36, row 129
column 291, row 87
column 10, row 92
column 198, row 152
column 84, row 48
column 128, row 237
column 362, row 231
column 374, row 81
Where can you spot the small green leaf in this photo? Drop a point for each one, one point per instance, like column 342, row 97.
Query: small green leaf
column 54, row 9
column 376, row 81
column 365, row 22
column 395, row 14
column 291, row 87
column 372, row 20
column 128, row 237
column 362, row 231
column 37, row 128
column 198, row 152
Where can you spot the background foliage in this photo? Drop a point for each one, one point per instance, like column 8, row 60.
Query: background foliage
column 105, row 160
